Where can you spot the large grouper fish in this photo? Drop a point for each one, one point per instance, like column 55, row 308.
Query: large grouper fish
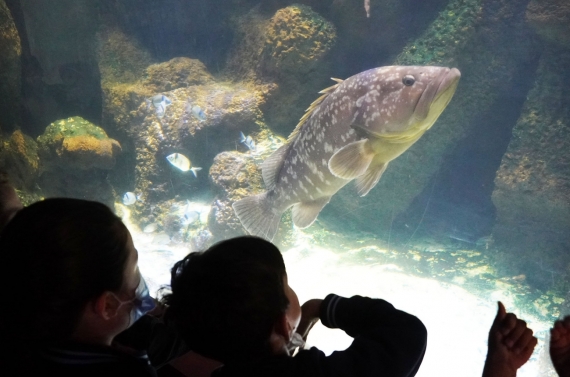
column 351, row 132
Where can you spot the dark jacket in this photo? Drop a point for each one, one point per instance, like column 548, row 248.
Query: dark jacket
column 151, row 345
column 387, row 342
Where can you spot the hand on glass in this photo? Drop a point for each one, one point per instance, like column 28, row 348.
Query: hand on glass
column 560, row 346
column 511, row 344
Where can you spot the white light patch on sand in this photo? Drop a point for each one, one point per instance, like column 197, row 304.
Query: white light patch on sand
column 457, row 321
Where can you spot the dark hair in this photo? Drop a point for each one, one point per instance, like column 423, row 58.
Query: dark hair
column 57, row 255
column 225, row 300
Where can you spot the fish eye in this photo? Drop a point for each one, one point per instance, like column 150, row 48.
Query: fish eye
column 409, row 80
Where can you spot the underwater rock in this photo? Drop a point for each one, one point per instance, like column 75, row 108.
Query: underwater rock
column 120, row 57
column 121, row 100
column 296, row 40
column 87, row 152
column 287, row 52
column 75, row 157
column 551, row 20
column 58, row 62
column 176, row 73
column 19, row 158
column 77, row 144
column 289, row 44
column 532, row 186
column 227, row 110
column 234, row 176
column 10, row 74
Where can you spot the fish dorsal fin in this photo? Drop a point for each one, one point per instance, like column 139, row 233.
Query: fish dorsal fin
column 325, row 93
column 352, row 160
column 272, row 165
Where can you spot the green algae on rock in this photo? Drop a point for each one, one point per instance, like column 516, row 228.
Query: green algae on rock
column 532, row 186
column 77, row 143
column 10, row 72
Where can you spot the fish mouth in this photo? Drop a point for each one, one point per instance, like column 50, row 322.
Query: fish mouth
column 438, row 92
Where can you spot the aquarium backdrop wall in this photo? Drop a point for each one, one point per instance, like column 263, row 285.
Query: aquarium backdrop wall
column 168, row 111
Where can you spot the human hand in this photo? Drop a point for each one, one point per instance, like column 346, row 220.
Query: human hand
column 510, row 345
column 560, row 346
column 309, row 316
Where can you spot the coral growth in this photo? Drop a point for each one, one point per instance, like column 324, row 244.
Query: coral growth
column 176, row 73
column 288, row 51
column 296, row 40
column 78, row 144
column 87, row 152
column 120, row 99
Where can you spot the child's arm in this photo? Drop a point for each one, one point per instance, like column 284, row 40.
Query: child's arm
column 560, row 346
column 387, row 341
column 510, row 345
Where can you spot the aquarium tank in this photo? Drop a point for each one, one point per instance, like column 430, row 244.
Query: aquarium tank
column 433, row 171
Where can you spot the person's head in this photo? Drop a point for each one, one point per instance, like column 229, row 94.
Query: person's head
column 233, row 302
column 71, row 269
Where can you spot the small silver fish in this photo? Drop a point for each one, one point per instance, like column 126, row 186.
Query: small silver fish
column 150, row 228
column 130, row 198
column 247, row 140
column 179, row 161
column 190, row 214
column 198, row 113
column 160, row 102
column 191, row 217
column 351, row 132
column 161, row 239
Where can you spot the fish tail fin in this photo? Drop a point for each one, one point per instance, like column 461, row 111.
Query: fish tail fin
column 258, row 216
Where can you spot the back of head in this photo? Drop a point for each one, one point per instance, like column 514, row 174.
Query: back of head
column 55, row 256
column 225, row 301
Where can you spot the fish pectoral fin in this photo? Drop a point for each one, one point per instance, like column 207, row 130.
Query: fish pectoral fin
column 368, row 180
column 352, row 160
column 271, row 167
column 305, row 213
